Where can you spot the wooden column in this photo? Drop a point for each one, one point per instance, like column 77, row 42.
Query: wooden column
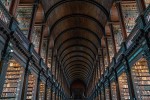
column 113, row 39
column 33, row 16
column 117, row 87
column 100, row 94
column 121, row 18
column 13, row 7
column 25, row 82
column 56, row 71
column 55, row 97
column 99, row 71
column 46, row 88
column 107, row 50
column 129, row 80
column 103, row 60
column 141, row 6
column 109, row 86
column 51, row 91
column 38, row 85
column 41, row 40
column 97, row 76
column 104, row 91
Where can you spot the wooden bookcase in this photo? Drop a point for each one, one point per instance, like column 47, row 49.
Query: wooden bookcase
column 141, row 80
column 13, row 82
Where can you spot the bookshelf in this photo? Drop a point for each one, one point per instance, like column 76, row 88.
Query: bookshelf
column 141, row 79
column 13, row 81
column 130, row 13
column 107, row 93
column 31, row 87
column 113, row 91
column 42, row 91
column 23, row 17
column 48, row 94
column 123, row 85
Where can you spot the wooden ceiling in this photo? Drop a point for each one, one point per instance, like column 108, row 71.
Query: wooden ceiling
column 76, row 30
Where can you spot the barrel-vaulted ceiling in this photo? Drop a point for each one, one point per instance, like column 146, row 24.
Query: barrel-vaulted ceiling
column 76, row 28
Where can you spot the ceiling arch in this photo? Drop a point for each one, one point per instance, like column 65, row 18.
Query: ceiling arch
column 74, row 52
column 77, row 16
column 83, row 30
column 67, row 1
column 76, row 30
column 86, row 65
column 82, row 57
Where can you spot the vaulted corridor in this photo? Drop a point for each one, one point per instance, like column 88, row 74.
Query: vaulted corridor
column 74, row 50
